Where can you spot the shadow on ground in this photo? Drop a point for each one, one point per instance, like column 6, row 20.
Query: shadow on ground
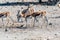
column 49, row 2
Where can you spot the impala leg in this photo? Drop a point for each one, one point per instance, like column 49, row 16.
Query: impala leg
column 3, row 22
column 46, row 21
column 36, row 19
column 34, row 22
column 39, row 23
column 43, row 22
column 5, row 29
column 19, row 18
column 26, row 21
column 7, row 24
column 3, row 25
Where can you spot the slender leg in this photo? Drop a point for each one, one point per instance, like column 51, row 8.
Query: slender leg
column 42, row 22
column 46, row 21
column 11, row 20
column 26, row 21
column 34, row 22
column 19, row 18
column 39, row 23
column 3, row 25
column 36, row 19
column 7, row 24
column 3, row 22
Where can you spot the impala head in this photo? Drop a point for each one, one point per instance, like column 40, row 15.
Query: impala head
column 43, row 13
column 31, row 10
column 7, row 13
column 22, row 14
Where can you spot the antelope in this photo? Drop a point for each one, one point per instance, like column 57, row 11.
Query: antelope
column 41, row 14
column 3, row 15
column 25, row 13
column 30, row 12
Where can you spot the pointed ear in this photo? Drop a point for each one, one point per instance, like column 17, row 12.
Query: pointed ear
column 44, row 11
column 32, row 10
column 8, row 13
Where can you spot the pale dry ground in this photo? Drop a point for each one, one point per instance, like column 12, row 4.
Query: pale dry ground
column 36, row 33
column 30, row 34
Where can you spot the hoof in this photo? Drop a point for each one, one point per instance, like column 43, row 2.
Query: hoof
column 6, row 30
column 50, row 23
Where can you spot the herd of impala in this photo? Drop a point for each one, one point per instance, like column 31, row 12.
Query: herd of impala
column 25, row 14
